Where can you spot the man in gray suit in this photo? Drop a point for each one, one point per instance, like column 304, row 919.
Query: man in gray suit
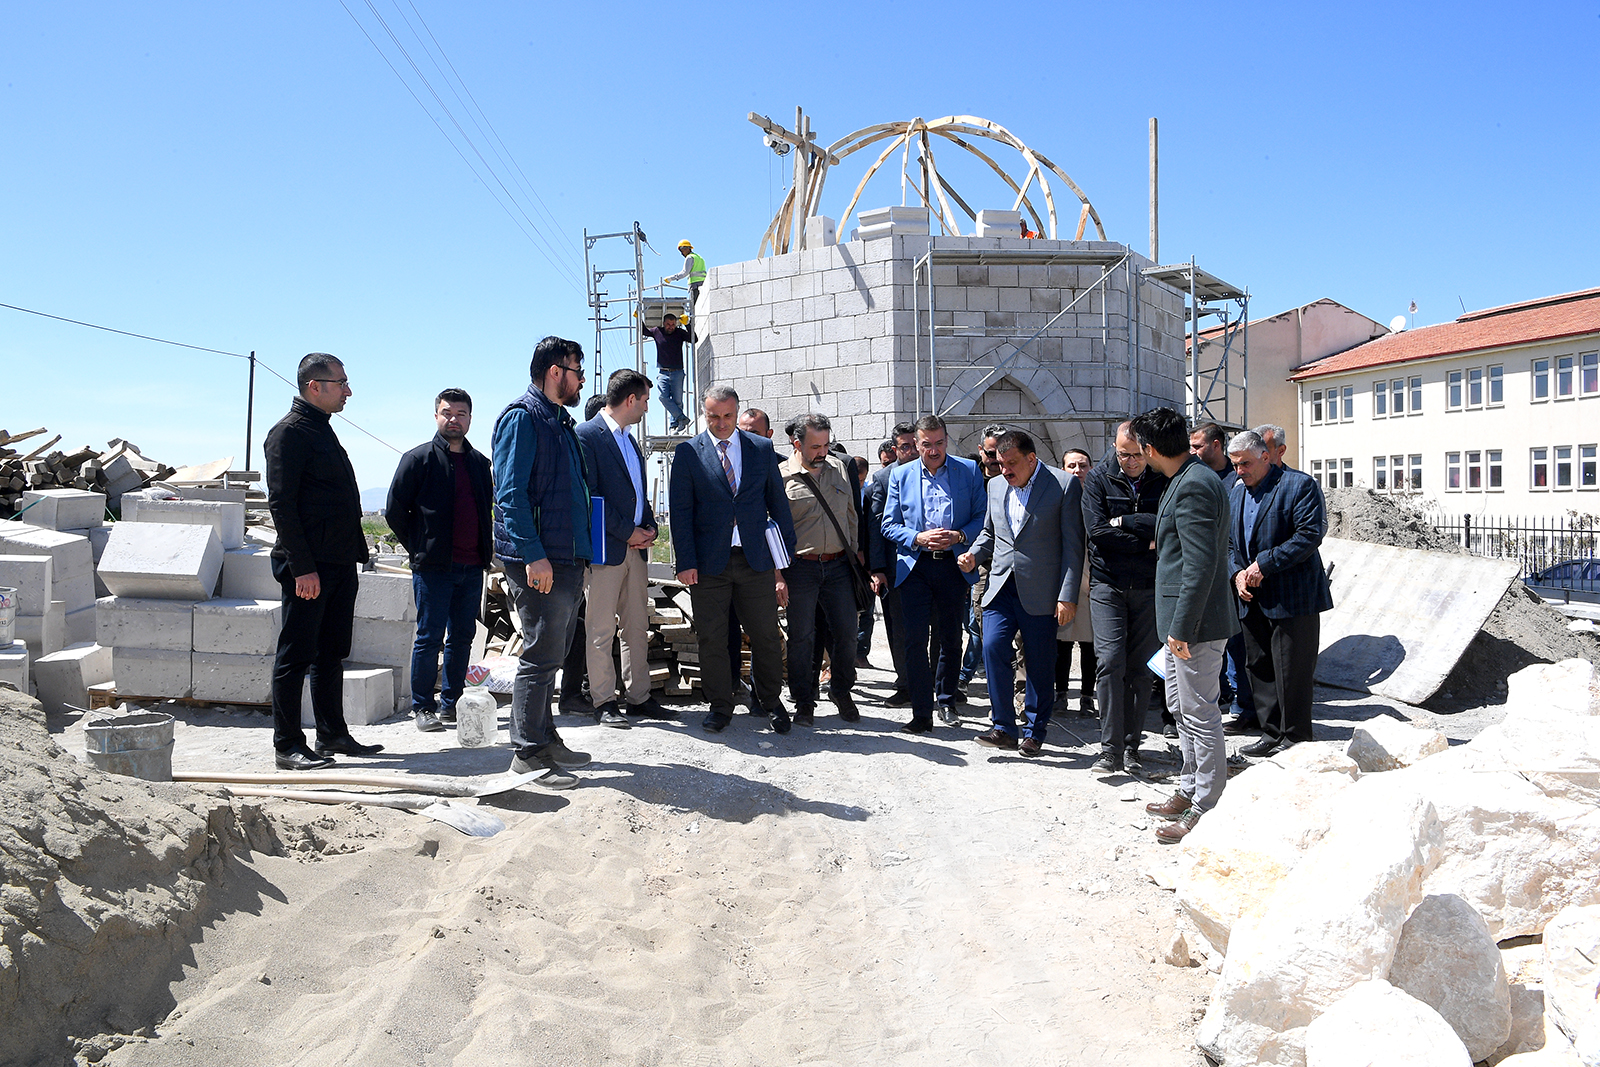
column 1032, row 540
column 1195, row 614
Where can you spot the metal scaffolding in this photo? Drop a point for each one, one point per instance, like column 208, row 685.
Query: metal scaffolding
column 1217, row 390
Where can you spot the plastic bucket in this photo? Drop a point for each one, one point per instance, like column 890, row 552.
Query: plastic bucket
column 8, row 616
column 477, row 718
column 138, row 745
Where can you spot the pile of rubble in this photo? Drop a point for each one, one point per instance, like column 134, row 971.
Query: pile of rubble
column 118, row 468
column 1394, row 893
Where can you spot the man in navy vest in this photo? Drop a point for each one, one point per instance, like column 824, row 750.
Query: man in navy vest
column 541, row 535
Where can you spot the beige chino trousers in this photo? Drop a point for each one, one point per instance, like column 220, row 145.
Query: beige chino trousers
column 618, row 600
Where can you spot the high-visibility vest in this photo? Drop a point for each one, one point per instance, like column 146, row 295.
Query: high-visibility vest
column 697, row 268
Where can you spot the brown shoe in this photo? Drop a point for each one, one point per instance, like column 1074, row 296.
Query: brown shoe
column 1029, row 746
column 1173, row 832
column 1172, row 807
column 996, row 739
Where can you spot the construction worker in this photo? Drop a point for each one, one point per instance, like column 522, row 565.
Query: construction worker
column 694, row 268
column 1027, row 234
column 670, row 339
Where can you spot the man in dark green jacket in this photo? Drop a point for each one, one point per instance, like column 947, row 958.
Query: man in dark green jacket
column 1195, row 613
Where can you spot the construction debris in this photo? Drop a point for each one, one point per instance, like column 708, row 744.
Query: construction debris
column 114, row 470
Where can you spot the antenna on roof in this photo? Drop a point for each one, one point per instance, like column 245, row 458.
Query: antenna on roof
column 1397, row 324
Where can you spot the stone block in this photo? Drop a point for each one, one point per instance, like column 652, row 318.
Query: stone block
column 232, row 679
column 1447, row 959
column 1521, row 742
column 151, row 672
column 81, row 626
column 64, row 677
column 247, row 574
column 30, row 576
column 98, row 536
column 167, row 561
column 1384, row 743
column 71, row 559
column 1377, row 1024
column 225, row 517
column 1572, row 686
column 137, row 622
column 14, row 659
column 382, row 642
column 237, row 627
column 369, row 697
column 63, row 509
column 44, row 633
column 999, row 222
column 1572, row 978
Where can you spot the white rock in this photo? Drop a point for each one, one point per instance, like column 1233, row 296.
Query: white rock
column 1236, row 856
column 1572, row 978
column 1527, row 1023
column 1382, row 743
column 1447, row 959
column 1377, row 1025
column 1318, row 757
column 1521, row 741
column 1572, row 686
column 1332, row 923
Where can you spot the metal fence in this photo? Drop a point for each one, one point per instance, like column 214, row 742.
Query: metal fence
column 1556, row 552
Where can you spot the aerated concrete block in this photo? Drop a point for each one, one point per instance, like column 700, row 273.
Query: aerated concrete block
column 45, row 633
column 151, row 672
column 232, row 679
column 998, row 223
column 368, row 697
column 14, row 665
column 400, row 681
column 166, row 561
column 62, row 509
column 140, row 622
column 385, row 596
column 247, row 574
column 121, row 477
column 64, row 677
column 72, row 562
column 226, row 517
column 382, row 642
column 81, row 626
column 237, row 627
column 30, row 577
column 98, row 536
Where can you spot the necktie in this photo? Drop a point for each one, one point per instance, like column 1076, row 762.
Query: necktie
column 727, row 468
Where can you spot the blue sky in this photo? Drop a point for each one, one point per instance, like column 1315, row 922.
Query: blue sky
column 255, row 177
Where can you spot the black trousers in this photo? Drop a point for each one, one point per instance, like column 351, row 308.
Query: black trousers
column 1281, row 658
column 756, row 595
column 822, row 614
column 315, row 639
column 1124, row 640
column 575, row 668
column 933, row 597
column 1086, row 668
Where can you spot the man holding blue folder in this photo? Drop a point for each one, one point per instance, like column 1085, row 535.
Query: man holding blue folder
column 623, row 527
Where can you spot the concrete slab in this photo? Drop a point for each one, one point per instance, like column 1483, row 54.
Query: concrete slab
column 226, row 517
column 385, row 596
column 30, row 576
column 368, row 697
column 162, row 560
column 247, row 574
column 141, row 622
column 1403, row 617
column 151, row 672
column 64, row 677
column 237, row 627
column 14, row 660
column 62, row 509
column 81, row 626
column 232, row 679
column 44, row 633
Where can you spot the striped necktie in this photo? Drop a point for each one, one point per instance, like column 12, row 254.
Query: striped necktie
column 727, row 468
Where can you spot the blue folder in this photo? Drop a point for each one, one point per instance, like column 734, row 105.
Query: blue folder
column 597, row 531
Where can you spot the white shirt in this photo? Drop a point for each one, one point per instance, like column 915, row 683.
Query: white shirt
column 736, row 461
column 630, row 459
column 1017, row 500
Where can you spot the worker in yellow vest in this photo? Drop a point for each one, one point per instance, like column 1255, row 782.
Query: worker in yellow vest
column 694, row 268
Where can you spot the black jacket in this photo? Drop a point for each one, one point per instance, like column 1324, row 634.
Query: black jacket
column 311, row 491
column 422, row 503
column 1120, row 554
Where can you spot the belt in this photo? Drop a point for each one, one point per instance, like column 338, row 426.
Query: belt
column 821, row 557
column 937, row 553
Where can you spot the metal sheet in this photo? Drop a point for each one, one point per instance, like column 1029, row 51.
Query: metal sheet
column 1402, row 617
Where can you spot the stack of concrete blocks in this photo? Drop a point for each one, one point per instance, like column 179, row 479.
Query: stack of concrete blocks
column 384, row 632
column 72, row 511
column 154, row 505
column 14, row 661
column 835, row 328
column 58, row 608
column 157, row 573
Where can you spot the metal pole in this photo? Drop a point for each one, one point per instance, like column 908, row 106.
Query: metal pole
column 1155, row 229
column 1194, row 346
column 933, row 359
column 1244, row 378
column 916, row 348
column 250, row 411
column 638, row 320
column 594, row 299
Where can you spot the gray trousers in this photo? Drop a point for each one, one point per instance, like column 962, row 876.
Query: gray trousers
column 1192, row 688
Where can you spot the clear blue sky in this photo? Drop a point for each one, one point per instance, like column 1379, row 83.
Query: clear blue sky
column 254, row 177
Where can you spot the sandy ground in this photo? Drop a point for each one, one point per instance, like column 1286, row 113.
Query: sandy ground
column 836, row 895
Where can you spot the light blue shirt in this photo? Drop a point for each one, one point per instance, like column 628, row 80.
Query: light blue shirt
column 630, row 459
column 938, row 509
column 736, row 461
column 1017, row 500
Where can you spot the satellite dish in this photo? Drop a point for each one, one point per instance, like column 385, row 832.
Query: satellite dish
column 1397, row 324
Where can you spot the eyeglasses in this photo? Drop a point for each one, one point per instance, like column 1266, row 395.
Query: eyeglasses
column 332, row 381
column 575, row 370
column 1128, row 455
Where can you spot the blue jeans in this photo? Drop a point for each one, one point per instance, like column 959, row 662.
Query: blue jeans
column 669, row 384
column 1001, row 620
column 447, row 602
column 1244, row 704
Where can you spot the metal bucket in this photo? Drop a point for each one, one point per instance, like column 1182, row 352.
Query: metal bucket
column 138, row 745
column 8, row 616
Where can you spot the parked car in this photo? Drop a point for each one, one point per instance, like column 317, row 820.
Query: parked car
column 1573, row 579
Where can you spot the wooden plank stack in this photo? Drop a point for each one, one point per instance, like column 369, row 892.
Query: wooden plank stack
column 32, row 465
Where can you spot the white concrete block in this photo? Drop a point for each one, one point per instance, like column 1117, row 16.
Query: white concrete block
column 14, row 665
column 121, row 477
column 237, row 627
column 368, row 697
column 151, row 672
column 382, row 642
column 400, row 681
column 80, row 627
column 62, row 509
column 232, row 679
column 98, row 536
column 247, row 574
column 141, row 622
column 30, row 576
column 64, row 677
column 385, row 596
column 162, row 560
column 226, row 517
column 821, row 231
column 997, row 223
column 72, row 561
column 45, row 633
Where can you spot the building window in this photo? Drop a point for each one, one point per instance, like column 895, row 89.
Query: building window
column 1333, row 474
column 1539, row 476
column 1475, row 387
column 1586, row 467
column 1452, row 471
column 1349, row 473
column 1589, row 373
column 1316, row 471
column 1397, row 396
column 1496, row 469
column 1416, row 395
column 1474, row 471
column 1316, row 407
column 1564, row 377
column 1452, row 391
column 1415, row 480
column 1541, row 379
column 1497, row 386
column 1349, row 412
column 1380, row 473
column 1563, row 466
column 1380, row 399
column 1397, row 473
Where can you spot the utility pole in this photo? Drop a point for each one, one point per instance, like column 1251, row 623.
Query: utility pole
column 1155, row 228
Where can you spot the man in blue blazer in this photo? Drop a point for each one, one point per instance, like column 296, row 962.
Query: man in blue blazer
column 725, row 489
column 934, row 509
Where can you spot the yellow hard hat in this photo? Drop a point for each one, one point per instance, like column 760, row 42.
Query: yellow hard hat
column 685, row 243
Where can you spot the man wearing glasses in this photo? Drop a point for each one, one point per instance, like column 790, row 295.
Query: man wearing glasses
column 541, row 535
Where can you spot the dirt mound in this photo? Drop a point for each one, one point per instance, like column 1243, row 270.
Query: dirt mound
column 1362, row 515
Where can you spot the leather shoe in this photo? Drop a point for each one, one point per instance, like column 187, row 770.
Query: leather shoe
column 1260, row 749
column 346, row 746
column 1173, row 832
column 918, row 726
column 864, row 664
column 562, row 756
column 299, row 759
column 1170, row 808
column 1030, row 746
column 651, row 708
column 897, row 699
column 428, row 722
column 1169, row 730
column 1131, row 764
column 1106, row 765
column 996, row 738
column 1283, row 746
column 802, row 717
column 715, row 723
column 1240, row 725
column 960, row 695
column 948, row 715
column 576, row 706
column 779, row 719
column 846, row 706
column 608, row 715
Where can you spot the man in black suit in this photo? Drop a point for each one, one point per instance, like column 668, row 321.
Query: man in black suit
column 1278, row 520
column 880, row 558
column 725, row 490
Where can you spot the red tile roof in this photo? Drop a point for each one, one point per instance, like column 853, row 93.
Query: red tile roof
column 1545, row 319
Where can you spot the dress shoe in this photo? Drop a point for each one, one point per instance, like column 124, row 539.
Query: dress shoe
column 1131, row 764
column 300, row 759
column 864, row 664
column 553, row 776
column 996, row 738
column 846, row 706
column 608, row 715
column 428, row 722
column 1169, row 730
column 651, row 708
column 897, row 699
column 1173, row 832
column 576, row 706
column 949, row 715
column 960, row 695
column 346, row 746
column 1283, row 746
column 803, row 717
column 447, row 714
column 715, row 723
column 779, row 719
column 563, row 756
column 1240, row 725
column 1086, row 711
column 1170, row 808
column 1106, row 765
column 918, row 726
column 1260, row 749
column 1030, row 746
